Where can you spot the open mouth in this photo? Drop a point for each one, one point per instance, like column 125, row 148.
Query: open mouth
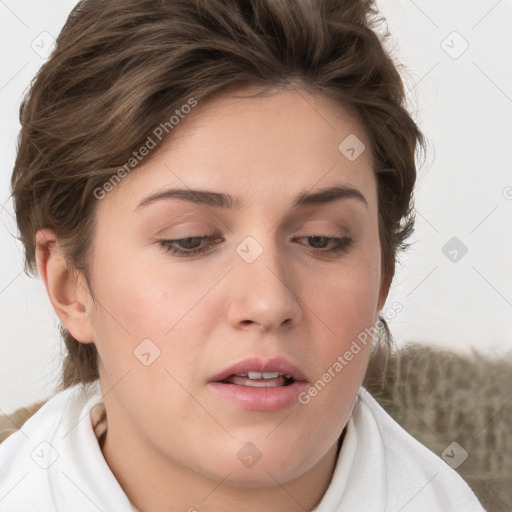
column 260, row 379
column 259, row 384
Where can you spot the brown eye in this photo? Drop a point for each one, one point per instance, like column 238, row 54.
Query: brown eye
column 188, row 246
column 320, row 242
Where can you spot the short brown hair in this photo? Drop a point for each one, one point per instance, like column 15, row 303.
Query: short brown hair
column 121, row 67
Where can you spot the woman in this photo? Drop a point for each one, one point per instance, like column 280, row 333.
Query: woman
column 214, row 193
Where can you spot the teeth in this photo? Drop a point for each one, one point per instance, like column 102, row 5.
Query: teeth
column 260, row 379
column 259, row 375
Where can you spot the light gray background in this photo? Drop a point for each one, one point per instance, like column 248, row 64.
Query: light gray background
column 463, row 103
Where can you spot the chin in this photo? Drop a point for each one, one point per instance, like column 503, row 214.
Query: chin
column 250, row 466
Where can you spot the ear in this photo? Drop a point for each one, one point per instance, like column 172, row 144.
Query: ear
column 66, row 290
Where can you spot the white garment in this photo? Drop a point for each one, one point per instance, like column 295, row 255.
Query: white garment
column 382, row 468
column 54, row 463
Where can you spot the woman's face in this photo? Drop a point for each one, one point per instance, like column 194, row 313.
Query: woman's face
column 177, row 331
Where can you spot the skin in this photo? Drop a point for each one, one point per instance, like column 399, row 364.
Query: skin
column 170, row 439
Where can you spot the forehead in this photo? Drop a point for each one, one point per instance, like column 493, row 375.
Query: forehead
column 262, row 147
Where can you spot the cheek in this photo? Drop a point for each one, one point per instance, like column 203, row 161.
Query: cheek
column 340, row 366
column 139, row 300
column 345, row 300
column 344, row 309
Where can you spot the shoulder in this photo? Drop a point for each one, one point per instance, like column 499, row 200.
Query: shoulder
column 33, row 457
column 411, row 466
column 10, row 423
column 49, row 408
column 45, row 414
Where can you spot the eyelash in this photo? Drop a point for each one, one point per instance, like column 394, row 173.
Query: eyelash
column 342, row 245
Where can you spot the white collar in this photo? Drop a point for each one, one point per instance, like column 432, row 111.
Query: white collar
column 55, row 463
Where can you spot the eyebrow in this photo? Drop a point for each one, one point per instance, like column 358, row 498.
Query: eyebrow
column 221, row 200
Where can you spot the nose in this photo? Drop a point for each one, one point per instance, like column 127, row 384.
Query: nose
column 265, row 293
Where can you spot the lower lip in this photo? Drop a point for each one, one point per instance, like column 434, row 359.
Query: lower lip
column 260, row 399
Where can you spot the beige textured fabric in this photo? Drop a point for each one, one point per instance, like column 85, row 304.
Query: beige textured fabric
column 440, row 398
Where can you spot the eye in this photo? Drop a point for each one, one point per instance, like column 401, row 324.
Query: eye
column 191, row 246
column 320, row 242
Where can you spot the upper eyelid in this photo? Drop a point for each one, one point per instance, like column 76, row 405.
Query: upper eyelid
column 214, row 231
column 215, row 236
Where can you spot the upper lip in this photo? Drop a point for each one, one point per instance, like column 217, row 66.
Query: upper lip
column 256, row 364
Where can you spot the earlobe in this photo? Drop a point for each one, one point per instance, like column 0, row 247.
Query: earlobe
column 69, row 296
